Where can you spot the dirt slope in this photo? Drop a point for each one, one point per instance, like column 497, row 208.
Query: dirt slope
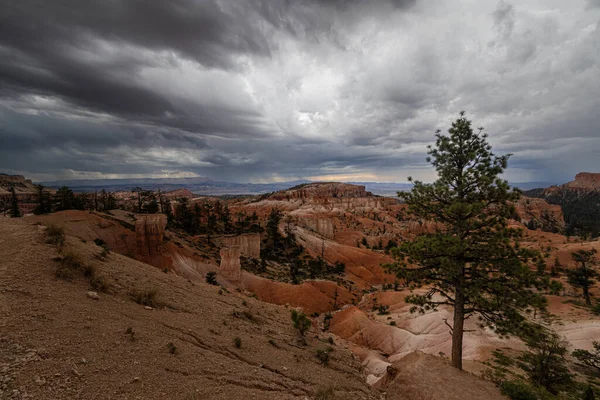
column 443, row 381
column 57, row 343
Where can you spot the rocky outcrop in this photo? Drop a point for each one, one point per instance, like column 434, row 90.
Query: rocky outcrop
column 24, row 190
column 585, row 181
column 248, row 243
column 149, row 232
column 330, row 190
column 230, row 267
column 539, row 213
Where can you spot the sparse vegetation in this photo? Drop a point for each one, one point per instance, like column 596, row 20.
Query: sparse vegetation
column 588, row 358
column 172, row 348
column 211, row 278
column 323, row 355
column 147, row 297
column 55, row 235
column 301, row 322
column 518, row 390
column 68, row 265
column 325, row 393
column 129, row 331
column 237, row 342
column 99, row 284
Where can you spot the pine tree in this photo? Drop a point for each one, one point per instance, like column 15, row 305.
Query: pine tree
column 43, row 200
column 583, row 275
column 64, row 199
column 472, row 261
column 15, row 212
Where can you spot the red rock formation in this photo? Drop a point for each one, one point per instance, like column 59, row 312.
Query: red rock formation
column 149, row 232
column 248, row 243
column 585, row 181
column 548, row 216
column 328, row 190
column 230, row 267
column 24, row 189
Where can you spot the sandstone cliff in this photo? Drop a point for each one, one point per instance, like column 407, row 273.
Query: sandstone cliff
column 248, row 243
column 585, row 181
column 149, row 232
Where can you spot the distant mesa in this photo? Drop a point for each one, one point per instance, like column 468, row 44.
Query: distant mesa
column 586, row 181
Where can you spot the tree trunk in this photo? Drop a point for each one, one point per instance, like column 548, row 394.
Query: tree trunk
column 458, row 328
column 586, row 295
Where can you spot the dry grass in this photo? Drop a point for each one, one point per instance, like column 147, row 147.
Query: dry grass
column 55, row 235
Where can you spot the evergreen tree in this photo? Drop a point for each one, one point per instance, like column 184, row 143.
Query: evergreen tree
column 151, row 206
column 545, row 362
column 225, row 219
column 64, row 199
column 43, row 200
column 472, row 261
column 583, row 275
column 273, row 240
column 15, row 212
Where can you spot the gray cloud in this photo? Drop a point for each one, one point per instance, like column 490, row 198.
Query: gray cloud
column 268, row 90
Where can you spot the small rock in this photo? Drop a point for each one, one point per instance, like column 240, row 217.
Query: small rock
column 40, row 380
column 285, row 368
column 148, row 308
column 93, row 295
column 76, row 372
column 136, row 379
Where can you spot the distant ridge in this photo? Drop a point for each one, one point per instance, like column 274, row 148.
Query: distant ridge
column 208, row 187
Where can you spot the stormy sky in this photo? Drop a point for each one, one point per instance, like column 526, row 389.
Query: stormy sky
column 275, row 90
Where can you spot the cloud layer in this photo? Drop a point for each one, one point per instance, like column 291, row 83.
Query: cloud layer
column 278, row 90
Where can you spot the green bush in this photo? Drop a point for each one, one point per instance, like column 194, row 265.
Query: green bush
column 301, row 322
column 518, row 390
column 211, row 278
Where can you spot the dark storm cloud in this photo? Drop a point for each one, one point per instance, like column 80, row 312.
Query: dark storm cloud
column 281, row 89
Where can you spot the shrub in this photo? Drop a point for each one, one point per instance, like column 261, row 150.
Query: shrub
column 237, row 342
column 323, row 355
column 383, row 310
column 273, row 343
column 145, row 297
column 99, row 284
column 129, row 331
column 518, row 390
column 211, row 278
column 324, row 393
column 301, row 322
column 99, row 242
column 596, row 308
column 89, row 271
column 244, row 315
column 55, row 235
column 172, row 348
column 68, row 265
